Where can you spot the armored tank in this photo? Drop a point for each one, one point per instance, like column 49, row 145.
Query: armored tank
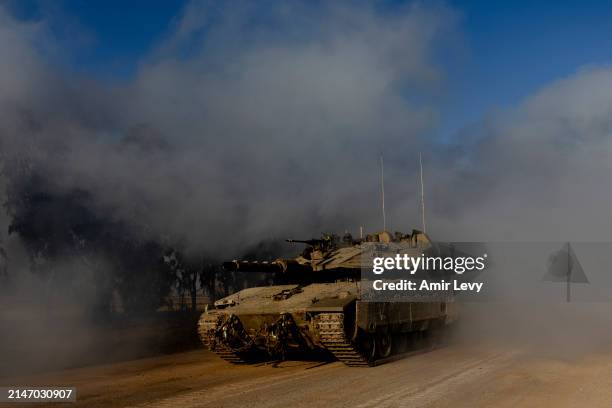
column 317, row 308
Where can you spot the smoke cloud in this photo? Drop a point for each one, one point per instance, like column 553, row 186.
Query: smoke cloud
column 539, row 171
column 233, row 131
column 242, row 126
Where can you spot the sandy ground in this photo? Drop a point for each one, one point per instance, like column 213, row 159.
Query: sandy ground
column 457, row 376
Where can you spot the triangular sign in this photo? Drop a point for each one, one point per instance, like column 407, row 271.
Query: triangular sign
column 563, row 266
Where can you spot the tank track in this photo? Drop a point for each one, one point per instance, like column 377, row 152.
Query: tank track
column 334, row 338
column 207, row 329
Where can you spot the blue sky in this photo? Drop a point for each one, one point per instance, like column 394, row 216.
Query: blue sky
column 511, row 48
column 517, row 47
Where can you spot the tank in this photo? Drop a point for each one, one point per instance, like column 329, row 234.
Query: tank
column 317, row 308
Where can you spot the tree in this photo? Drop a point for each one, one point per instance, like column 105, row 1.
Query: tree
column 56, row 224
column 187, row 274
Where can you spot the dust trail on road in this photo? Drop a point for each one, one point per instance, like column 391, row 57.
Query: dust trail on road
column 239, row 388
column 335, row 384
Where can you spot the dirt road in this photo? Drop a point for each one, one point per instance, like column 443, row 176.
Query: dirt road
column 458, row 376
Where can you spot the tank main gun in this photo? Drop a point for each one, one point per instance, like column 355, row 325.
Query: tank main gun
column 311, row 242
column 253, row 266
column 326, row 242
column 278, row 266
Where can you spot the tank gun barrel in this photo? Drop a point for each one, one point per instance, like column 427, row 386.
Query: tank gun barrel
column 279, row 266
column 253, row 266
column 305, row 241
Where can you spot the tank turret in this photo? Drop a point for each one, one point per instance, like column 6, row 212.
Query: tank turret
column 332, row 253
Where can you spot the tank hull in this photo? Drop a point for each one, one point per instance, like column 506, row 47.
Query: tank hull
column 320, row 318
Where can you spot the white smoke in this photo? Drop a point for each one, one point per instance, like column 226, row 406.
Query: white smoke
column 260, row 130
column 540, row 171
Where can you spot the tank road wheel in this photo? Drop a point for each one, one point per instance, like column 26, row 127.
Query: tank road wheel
column 400, row 343
column 367, row 346
column 384, row 345
column 418, row 340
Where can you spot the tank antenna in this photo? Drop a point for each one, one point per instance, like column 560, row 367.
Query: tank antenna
column 382, row 188
column 422, row 195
